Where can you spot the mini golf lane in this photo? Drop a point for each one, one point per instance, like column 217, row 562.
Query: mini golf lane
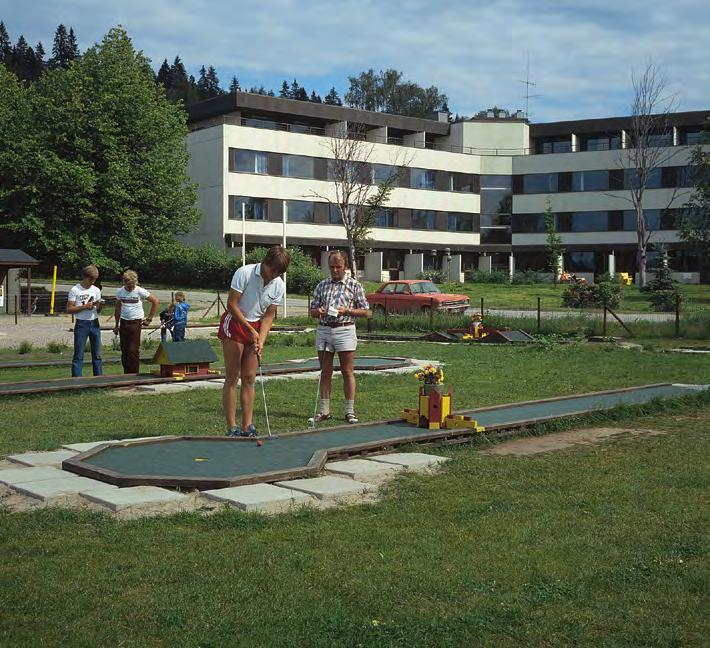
column 219, row 462
column 363, row 363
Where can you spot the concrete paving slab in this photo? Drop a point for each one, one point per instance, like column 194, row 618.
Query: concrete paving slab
column 416, row 461
column 53, row 458
column 261, row 498
column 13, row 476
column 331, row 489
column 83, row 447
column 63, row 491
column 139, row 501
column 373, row 472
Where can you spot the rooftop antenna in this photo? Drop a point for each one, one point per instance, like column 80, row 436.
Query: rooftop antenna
column 528, row 83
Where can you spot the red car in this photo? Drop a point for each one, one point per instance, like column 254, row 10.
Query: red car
column 414, row 296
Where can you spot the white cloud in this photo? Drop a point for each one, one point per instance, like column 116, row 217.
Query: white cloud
column 581, row 54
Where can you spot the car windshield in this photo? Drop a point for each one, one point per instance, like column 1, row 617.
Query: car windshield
column 424, row 287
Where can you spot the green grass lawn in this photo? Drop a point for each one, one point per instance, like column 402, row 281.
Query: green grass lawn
column 601, row 545
column 515, row 296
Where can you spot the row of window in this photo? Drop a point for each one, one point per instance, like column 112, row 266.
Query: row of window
column 612, row 141
column 302, row 211
column 601, row 180
column 596, row 221
column 314, row 168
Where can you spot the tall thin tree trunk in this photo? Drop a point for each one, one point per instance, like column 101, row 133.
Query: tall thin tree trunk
column 353, row 261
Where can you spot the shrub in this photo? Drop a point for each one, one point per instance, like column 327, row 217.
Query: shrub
column 56, row 347
column 527, row 277
column 579, row 294
column 437, row 276
column 24, row 347
column 493, row 277
column 206, row 267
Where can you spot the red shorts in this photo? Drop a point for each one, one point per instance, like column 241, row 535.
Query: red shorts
column 230, row 328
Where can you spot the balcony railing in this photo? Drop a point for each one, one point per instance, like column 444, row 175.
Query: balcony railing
column 560, row 147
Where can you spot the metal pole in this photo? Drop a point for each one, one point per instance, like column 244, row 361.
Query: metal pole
column 29, row 291
column 538, row 314
column 54, row 286
column 15, row 310
column 481, row 308
column 604, row 321
column 244, row 235
column 283, row 244
column 217, row 302
column 677, row 315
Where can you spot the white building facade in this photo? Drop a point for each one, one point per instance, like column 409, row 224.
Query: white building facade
column 470, row 195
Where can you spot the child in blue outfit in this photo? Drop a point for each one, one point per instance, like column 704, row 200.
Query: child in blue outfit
column 179, row 317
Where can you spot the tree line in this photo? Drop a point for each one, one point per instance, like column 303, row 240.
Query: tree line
column 383, row 91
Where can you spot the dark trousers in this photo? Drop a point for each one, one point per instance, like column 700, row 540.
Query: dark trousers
column 84, row 329
column 178, row 332
column 130, row 334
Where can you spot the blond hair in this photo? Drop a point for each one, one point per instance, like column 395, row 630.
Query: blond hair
column 131, row 276
column 90, row 272
column 180, row 296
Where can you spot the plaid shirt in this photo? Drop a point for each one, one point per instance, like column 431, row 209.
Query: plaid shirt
column 347, row 293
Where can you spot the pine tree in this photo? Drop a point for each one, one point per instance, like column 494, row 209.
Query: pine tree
column 72, row 47
column 332, row 98
column 234, row 85
column 213, row 88
column 315, row 98
column 60, row 56
column 285, row 92
column 270, row 93
column 21, row 64
column 202, row 83
column 5, row 46
column 293, row 93
column 164, row 75
column 40, row 63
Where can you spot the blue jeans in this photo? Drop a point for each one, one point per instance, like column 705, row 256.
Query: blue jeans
column 178, row 332
column 86, row 329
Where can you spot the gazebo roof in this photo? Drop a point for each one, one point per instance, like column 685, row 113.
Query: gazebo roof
column 10, row 258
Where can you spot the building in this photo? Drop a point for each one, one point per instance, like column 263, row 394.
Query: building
column 472, row 194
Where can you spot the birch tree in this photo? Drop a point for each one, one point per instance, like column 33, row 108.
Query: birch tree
column 355, row 196
column 648, row 149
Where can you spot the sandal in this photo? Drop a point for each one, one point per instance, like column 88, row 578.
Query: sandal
column 351, row 418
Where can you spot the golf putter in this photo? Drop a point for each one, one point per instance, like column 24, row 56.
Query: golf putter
column 312, row 421
column 263, row 394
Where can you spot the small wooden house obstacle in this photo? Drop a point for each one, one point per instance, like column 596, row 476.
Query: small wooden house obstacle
column 188, row 358
column 435, row 411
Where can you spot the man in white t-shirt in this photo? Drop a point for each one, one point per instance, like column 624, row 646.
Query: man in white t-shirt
column 84, row 303
column 256, row 290
column 130, row 319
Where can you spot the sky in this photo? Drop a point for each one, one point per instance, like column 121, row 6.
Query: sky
column 581, row 54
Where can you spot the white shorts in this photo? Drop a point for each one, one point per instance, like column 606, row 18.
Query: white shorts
column 342, row 338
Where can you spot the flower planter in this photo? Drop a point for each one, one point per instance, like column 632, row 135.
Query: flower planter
column 428, row 389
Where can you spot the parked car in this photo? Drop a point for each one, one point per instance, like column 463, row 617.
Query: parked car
column 414, row 296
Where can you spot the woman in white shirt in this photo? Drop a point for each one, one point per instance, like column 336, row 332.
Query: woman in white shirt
column 255, row 292
column 130, row 319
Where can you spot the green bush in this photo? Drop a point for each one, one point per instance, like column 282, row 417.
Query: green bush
column 437, row 276
column 208, row 267
column 579, row 294
column 493, row 277
column 527, row 277
column 24, row 347
column 56, row 347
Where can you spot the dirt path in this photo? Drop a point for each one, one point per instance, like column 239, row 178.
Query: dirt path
column 563, row 440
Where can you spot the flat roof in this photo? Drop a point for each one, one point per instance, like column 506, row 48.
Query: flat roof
column 580, row 126
column 277, row 108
